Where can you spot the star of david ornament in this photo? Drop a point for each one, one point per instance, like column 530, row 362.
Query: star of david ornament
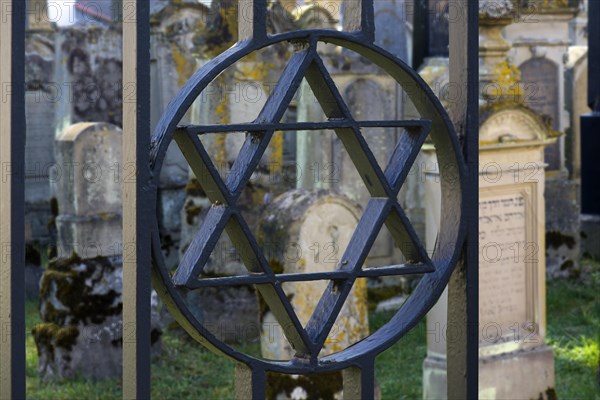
column 383, row 186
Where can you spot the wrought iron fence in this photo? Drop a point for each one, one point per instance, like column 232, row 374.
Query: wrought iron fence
column 454, row 262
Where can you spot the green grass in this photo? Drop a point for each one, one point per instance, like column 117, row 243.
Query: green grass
column 573, row 313
column 185, row 370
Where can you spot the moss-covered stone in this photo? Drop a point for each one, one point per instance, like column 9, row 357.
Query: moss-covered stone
column 44, row 335
column 70, row 282
column 67, row 337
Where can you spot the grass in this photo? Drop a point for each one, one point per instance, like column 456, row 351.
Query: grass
column 574, row 333
column 185, row 370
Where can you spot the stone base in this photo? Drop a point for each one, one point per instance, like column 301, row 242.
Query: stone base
column 527, row 374
column 590, row 235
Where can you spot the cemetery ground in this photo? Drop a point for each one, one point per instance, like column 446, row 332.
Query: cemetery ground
column 186, row 370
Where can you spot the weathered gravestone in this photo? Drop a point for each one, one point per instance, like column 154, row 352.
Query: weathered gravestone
column 307, row 232
column 541, row 54
column 89, row 75
column 304, row 231
column 81, row 291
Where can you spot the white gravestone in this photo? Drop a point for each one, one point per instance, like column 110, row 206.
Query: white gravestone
column 513, row 357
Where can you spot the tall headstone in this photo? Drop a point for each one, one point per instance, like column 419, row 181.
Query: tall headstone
column 514, row 361
column 40, row 103
column 81, row 290
column 540, row 54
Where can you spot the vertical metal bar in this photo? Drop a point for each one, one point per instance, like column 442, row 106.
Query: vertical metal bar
column 359, row 16
column 594, row 54
column 463, row 292
column 138, row 201
column 250, row 382
column 359, row 382
column 252, row 20
column 12, row 198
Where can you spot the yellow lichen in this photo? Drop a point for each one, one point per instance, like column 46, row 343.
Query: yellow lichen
column 277, row 152
column 507, row 78
column 183, row 66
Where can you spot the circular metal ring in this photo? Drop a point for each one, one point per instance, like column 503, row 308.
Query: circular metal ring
column 452, row 180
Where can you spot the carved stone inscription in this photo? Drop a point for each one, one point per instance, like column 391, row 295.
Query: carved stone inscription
column 502, row 264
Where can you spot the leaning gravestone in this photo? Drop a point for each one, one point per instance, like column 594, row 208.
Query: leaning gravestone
column 308, row 232
column 81, row 291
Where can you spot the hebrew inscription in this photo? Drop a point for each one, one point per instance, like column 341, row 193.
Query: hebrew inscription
column 502, row 263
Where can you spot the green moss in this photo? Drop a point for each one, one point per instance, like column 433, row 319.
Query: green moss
column 67, row 337
column 69, row 283
column 44, row 335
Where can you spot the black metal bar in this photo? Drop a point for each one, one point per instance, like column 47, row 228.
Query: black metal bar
column 406, row 152
column 359, row 381
column 594, row 54
column 590, row 122
column 13, row 168
column 17, row 201
column 252, row 20
column 145, row 203
column 250, row 382
column 367, row 20
column 203, row 243
column 405, row 236
column 471, row 151
column 304, row 126
column 202, row 167
column 137, row 262
column 257, row 279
